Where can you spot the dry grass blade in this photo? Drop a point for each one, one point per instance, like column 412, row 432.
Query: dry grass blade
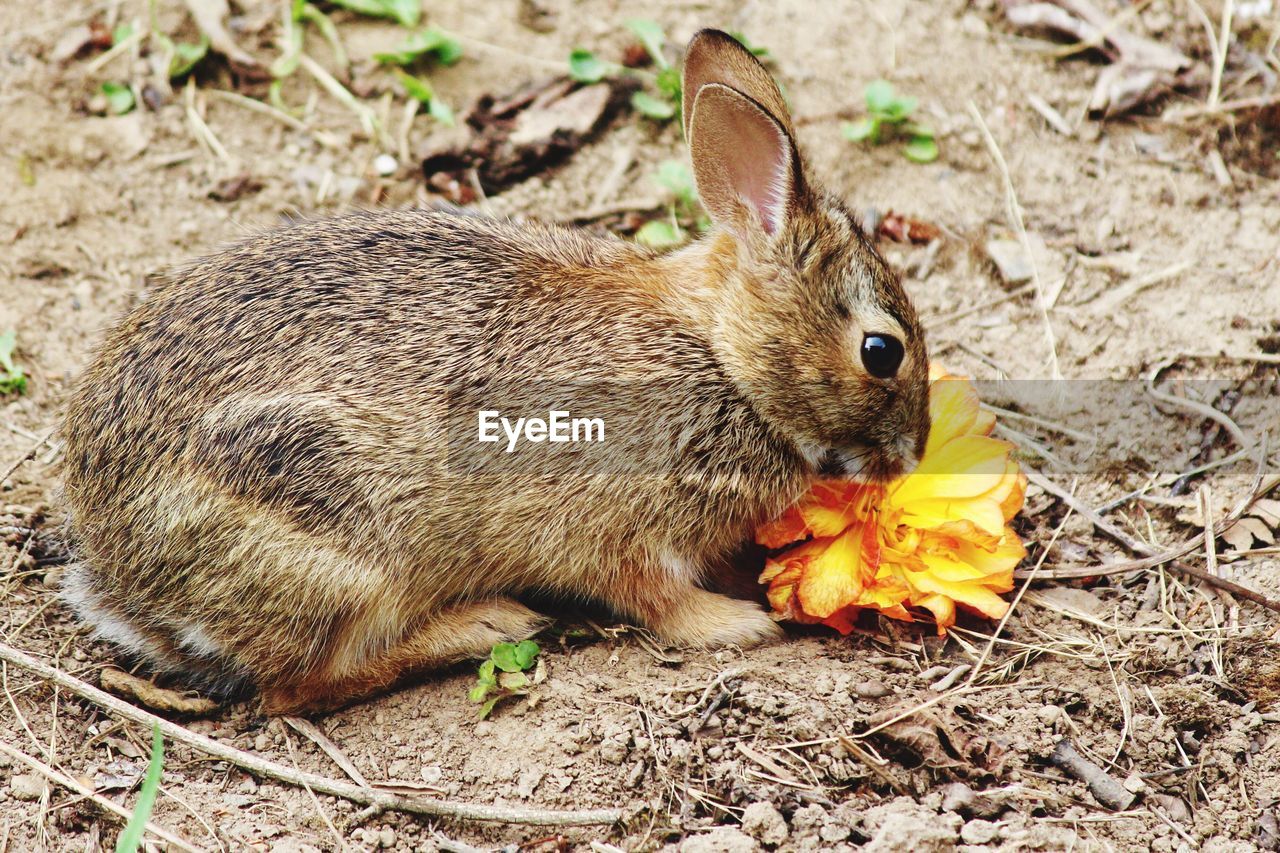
column 1015, row 220
column 308, row 729
column 85, row 791
column 322, row 784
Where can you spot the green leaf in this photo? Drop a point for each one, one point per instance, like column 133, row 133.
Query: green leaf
column 862, row 130
column 120, row 98
column 879, row 95
column 187, row 56
column 415, row 87
column 487, row 708
column 13, row 380
column 405, row 12
column 921, row 149
column 652, row 37
column 432, row 42
column 441, row 112
column 526, row 653
column 485, row 672
column 669, row 83
column 651, row 107
column 674, row 176
column 504, row 657
column 659, row 234
column 900, row 108
column 586, row 67
column 131, row 837
column 913, row 129
column 479, row 692
column 120, row 33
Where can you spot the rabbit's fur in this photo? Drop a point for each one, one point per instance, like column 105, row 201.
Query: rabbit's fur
column 272, row 467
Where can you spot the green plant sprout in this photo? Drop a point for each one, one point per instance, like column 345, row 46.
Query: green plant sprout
column 675, row 178
column 431, row 43
column 13, row 380
column 120, row 98
column 407, row 13
column 889, row 115
column 664, row 105
column 131, row 837
column 503, row 674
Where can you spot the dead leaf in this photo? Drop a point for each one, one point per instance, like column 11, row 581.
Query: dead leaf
column 230, row 189
column 940, row 739
column 154, row 697
column 904, row 229
column 520, row 135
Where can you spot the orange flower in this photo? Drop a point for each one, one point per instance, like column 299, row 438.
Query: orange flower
column 933, row 539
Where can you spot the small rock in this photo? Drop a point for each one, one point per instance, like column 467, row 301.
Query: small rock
column 764, row 823
column 979, row 832
column 26, row 786
column 529, row 781
column 385, row 165
column 722, row 839
column 261, row 742
column 1013, row 264
column 386, row 838
column 613, row 751
column 870, row 689
column 1133, row 784
column 831, row 832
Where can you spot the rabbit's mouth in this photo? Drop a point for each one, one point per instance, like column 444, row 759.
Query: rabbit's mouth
column 868, row 463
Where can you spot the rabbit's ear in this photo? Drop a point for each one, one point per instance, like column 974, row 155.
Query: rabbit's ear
column 744, row 161
column 717, row 57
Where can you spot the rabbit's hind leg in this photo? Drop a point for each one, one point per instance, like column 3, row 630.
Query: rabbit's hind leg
column 457, row 633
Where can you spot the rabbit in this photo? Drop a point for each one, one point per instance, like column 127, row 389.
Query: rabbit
column 272, row 467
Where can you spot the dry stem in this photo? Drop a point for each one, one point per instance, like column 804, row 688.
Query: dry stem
column 321, row 784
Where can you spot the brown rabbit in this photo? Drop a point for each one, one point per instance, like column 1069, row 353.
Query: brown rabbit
column 274, row 466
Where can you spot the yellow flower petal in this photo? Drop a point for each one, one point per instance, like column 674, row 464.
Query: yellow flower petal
column 965, row 467
column 832, row 578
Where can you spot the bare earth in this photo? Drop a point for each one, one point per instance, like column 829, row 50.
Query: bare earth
column 1161, row 682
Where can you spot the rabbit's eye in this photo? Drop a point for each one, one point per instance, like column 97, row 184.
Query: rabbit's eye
column 881, row 355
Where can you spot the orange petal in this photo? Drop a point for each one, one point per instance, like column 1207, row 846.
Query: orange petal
column 783, row 530
column 832, row 579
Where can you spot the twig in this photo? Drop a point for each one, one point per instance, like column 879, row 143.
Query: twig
column 308, row 729
column 27, row 457
column 1202, row 409
column 1110, row 301
column 368, row 121
column 1104, row 788
column 1258, row 102
column 321, row 784
column 877, row 768
column 944, row 319
column 325, row 139
column 1031, row 576
column 1015, row 219
column 85, row 791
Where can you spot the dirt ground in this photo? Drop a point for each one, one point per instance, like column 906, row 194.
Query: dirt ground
column 1153, row 255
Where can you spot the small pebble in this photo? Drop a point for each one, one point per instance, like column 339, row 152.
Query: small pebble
column 979, row 832
column 386, row 837
column 26, row 786
column 870, row 689
column 385, row 165
column 764, row 823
